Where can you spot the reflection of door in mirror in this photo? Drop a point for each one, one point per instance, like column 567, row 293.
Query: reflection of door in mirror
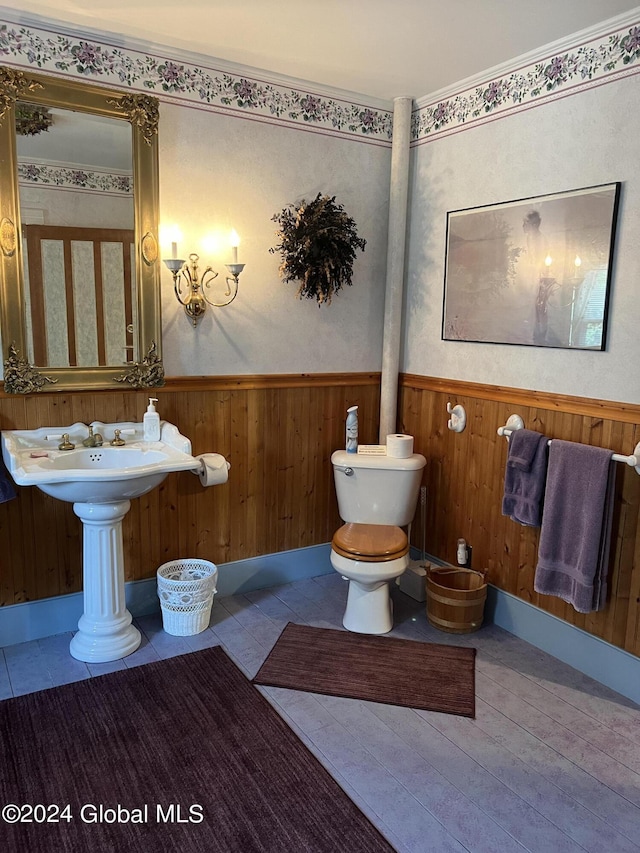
column 75, row 174
column 79, row 295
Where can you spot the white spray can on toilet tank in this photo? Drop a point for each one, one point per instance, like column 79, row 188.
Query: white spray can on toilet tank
column 151, row 422
column 352, row 430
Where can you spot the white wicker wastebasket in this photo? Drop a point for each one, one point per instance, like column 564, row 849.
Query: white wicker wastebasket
column 186, row 589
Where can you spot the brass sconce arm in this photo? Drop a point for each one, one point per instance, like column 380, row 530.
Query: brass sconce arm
column 190, row 287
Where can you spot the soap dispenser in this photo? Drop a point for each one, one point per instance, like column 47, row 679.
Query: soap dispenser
column 151, row 422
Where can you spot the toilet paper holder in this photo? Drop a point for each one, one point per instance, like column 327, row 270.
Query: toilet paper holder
column 213, row 469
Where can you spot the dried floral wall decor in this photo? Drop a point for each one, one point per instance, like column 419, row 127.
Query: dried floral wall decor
column 32, row 119
column 317, row 241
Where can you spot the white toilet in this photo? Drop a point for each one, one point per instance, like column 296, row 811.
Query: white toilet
column 376, row 496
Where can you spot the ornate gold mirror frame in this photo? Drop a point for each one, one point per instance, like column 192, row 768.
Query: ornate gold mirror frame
column 142, row 112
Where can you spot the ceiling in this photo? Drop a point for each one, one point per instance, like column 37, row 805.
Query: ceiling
column 380, row 48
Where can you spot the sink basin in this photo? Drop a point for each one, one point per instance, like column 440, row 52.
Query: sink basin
column 100, row 481
column 95, row 474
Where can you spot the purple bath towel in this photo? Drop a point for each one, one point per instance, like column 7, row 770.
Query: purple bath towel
column 7, row 491
column 525, row 477
column 573, row 554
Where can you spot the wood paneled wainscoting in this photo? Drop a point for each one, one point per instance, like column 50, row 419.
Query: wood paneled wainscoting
column 278, row 433
column 465, row 481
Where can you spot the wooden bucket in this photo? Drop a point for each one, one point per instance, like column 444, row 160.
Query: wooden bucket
column 455, row 599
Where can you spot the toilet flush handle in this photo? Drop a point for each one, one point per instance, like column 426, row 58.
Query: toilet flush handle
column 348, row 471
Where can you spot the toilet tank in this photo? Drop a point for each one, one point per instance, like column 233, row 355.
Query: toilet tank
column 377, row 489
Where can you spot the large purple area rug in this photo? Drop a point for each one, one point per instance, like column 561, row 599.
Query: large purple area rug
column 181, row 755
column 428, row 676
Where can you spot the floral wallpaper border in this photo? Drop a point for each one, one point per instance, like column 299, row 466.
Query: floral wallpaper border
column 590, row 64
column 32, row 47
column 65, row 177
column 593, row 63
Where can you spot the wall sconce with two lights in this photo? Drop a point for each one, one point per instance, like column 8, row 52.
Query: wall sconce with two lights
column 191, row 287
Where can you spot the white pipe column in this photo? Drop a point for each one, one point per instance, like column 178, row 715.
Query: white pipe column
column 398, row 195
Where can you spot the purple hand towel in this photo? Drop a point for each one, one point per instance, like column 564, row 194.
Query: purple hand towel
column 573, row 554
column 525, row 477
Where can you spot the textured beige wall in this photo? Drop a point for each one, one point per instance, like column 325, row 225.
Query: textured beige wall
column 218, row 172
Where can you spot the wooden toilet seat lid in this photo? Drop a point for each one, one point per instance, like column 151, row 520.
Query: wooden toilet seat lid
column 370, row 542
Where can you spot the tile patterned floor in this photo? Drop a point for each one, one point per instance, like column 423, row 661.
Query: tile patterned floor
column 551, row 764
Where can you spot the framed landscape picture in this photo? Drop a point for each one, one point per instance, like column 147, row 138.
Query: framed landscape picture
column 534, row 272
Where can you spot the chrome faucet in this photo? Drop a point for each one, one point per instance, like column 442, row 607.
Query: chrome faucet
column 93, row 439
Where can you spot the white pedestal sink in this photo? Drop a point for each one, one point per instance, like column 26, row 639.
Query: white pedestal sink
column 100, row 482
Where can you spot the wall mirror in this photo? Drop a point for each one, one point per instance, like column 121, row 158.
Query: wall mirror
column 80, row 277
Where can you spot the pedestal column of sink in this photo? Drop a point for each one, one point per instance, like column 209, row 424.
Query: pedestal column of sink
column 105, row 631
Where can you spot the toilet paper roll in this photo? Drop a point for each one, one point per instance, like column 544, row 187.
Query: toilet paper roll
column 399, row 446
column 214, row 469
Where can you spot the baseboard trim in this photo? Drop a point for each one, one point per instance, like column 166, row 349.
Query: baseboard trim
column 274, row 569
column 590, row 655
column 33, row 620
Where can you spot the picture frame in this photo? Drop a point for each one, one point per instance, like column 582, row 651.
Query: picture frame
column 532, row 272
